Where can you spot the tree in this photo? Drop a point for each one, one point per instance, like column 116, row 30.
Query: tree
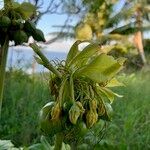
column 142, row 10
column 136, row 11
column 15, row 26
column 100, row 22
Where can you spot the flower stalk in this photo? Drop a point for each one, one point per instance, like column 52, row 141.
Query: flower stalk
column 46, row 62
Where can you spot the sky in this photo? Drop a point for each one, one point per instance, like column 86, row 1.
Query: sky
column 46, row 25
column 47, row 22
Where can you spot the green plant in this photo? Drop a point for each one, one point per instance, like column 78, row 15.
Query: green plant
column 111, row 27
column 80, row 90
column 15, row 25
column 23, row 98
column 130, row 128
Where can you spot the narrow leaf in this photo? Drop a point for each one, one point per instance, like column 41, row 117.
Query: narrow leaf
column 83, row 57
column 73, row 52
column 114, row 83
column 109, row 94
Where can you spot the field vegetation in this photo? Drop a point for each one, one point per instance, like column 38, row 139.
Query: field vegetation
column 129, row 129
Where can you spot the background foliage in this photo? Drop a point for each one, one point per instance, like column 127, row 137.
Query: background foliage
column 23, row 98
column 130, row 128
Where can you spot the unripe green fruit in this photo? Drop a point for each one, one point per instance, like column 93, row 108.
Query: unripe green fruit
column 39, row 36
column 29, row 27
column 5, row 21
column 20, row 37
column 17, row 24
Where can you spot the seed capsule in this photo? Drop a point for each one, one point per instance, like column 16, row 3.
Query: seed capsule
column 74, row 114
column 75, row 111
column 91, row 118
column 93, row 104
column 79, row 104
column 101, row 109
column 5, row 21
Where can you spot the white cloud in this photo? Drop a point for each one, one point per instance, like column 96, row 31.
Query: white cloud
column 20, row 48
column 1, row 4
column 57, row 46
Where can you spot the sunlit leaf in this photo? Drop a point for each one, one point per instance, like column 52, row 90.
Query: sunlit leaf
column 83, row 57
column 114, row 82
column 121, row 60
column 109, row 93
column 73, row 52
column 102, row 68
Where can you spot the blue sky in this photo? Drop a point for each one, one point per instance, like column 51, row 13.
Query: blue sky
column 48, row 20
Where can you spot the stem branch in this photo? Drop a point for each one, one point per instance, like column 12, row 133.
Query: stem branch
column 46, row 62
column 58, row 141
column 3, row 60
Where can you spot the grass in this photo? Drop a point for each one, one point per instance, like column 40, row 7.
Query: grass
column 129, row 129
column 23, row 98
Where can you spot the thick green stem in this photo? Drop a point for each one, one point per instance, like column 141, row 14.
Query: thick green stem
column 3, row 60
column 58, row 141
column 73, row 146
column 46, row 62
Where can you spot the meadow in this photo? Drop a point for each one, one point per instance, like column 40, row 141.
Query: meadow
column 25, row 94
